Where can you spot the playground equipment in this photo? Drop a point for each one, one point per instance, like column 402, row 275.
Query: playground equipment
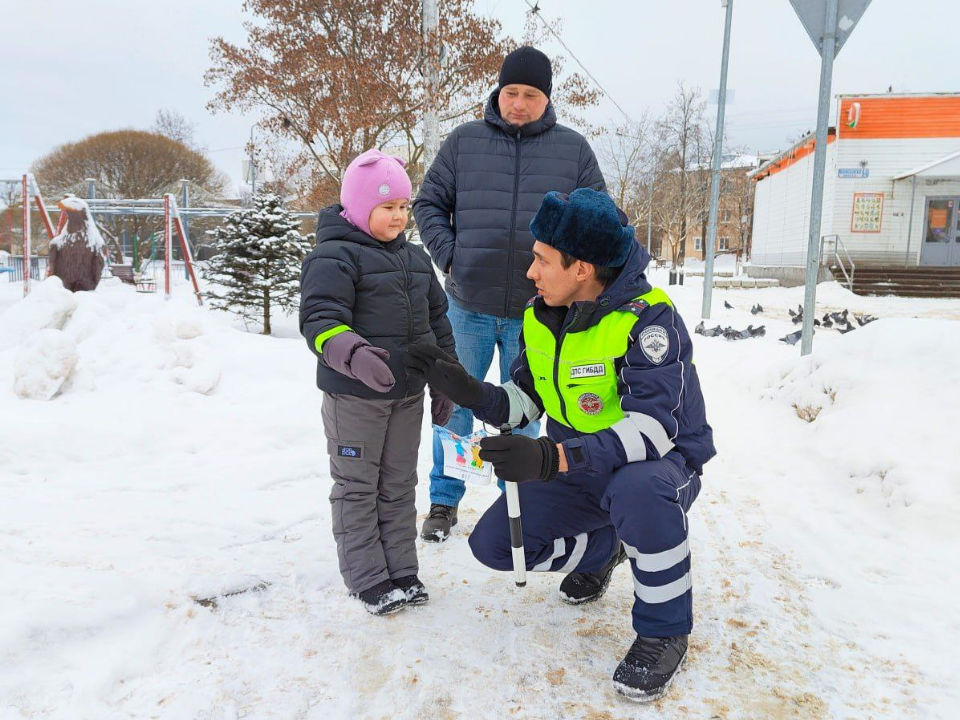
column 175, row 221
column 172, row 223
column 30, row 190
column 165, row 206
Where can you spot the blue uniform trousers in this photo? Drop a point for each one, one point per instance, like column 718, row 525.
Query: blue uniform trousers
column 576, row 523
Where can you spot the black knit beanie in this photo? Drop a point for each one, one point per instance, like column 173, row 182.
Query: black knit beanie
column 527, row 66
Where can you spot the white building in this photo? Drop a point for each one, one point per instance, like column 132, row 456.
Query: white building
column 891, row 189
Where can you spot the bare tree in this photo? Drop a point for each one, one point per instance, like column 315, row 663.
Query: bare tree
column 679, row 134
column 625, row 154
column 175, row 126
column 738, row 190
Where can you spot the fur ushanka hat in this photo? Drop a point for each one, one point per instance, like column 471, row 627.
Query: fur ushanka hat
column 586, row 224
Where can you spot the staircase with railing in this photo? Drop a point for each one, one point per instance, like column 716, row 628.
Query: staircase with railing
column 877, row 279
column 833, row 251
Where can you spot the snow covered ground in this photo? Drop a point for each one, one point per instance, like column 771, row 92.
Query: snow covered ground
column 182, row 458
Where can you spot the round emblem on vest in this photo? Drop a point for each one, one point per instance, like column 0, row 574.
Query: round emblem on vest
column 383, row 189
column 590, row 403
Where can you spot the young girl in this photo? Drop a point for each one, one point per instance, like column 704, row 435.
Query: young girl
column 366, row 294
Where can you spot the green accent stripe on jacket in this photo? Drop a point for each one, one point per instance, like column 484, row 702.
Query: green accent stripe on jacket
column 327, row 334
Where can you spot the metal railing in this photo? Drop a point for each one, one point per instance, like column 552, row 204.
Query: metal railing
column 38, row 268
column 833, row 241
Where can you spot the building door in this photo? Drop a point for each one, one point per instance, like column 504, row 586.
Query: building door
column 941, row 232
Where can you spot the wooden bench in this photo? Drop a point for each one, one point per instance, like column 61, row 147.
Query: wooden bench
column 124, row 272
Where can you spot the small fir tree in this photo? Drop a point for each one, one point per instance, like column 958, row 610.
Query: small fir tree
column 257, row 265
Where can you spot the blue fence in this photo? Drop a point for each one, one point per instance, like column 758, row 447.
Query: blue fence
column 38, row 268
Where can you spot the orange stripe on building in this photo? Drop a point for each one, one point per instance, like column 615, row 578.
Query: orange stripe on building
column 795, row 155
column 883, row 118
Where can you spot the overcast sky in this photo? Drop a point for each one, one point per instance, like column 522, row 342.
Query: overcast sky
column 73, row 68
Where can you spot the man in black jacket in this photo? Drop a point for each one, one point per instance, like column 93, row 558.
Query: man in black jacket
column 474, row 211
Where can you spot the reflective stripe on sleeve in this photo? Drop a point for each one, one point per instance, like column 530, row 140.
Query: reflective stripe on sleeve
column 633, row 428
column 521, row 405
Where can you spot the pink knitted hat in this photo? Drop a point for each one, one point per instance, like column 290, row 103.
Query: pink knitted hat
column 372, row 178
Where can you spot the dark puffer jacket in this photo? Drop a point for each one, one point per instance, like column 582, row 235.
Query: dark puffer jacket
column 387, row 293
column 480, row 194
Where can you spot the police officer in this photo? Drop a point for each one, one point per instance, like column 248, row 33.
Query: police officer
column 607, row 358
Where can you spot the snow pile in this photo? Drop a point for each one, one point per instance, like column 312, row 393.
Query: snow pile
column 884, row 403
column 49, row 305
column 53, row 333
column 73, row 204
column 43, row 363
column 188, row 362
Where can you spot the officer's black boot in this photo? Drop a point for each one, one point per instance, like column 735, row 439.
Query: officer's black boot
column 581, row 587
column 650, row 666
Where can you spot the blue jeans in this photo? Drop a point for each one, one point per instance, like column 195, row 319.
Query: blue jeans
column 476, row 335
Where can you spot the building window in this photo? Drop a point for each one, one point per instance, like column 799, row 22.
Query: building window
column 723, row 243
column 698, row 244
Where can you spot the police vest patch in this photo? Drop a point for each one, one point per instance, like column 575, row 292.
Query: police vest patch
column 590, row 403
column 655, row 343
column 585, row 371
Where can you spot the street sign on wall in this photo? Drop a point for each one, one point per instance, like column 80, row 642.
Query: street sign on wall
column 853, row 173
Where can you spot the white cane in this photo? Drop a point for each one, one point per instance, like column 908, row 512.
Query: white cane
column 516, row 529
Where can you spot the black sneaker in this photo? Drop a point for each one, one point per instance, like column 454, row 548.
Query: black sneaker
column 650, row 666
column 436, row 528
column 415, row 591
column 382, row 599
column 582, row 587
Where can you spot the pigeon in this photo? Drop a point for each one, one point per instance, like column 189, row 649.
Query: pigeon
column 713, row 332
column 797, row 316
column 756, row 309
column 731, row 333
column 864, row 319
column 793, row 338
column 727, row 305
column 827, row 321
column 845, row 330
column 699, row 328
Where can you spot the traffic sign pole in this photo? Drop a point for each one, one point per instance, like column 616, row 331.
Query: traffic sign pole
column 819, row 163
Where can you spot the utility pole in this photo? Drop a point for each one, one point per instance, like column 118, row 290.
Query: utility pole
column 431, row 75
column 253, row 167
column 717, row 167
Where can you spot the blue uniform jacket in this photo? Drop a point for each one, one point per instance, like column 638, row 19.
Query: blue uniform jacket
column 659, row 390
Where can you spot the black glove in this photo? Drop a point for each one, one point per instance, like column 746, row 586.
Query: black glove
column 442, row 373
column 519, row 458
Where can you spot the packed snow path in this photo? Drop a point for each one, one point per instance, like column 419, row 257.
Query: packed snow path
column 183, row 459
